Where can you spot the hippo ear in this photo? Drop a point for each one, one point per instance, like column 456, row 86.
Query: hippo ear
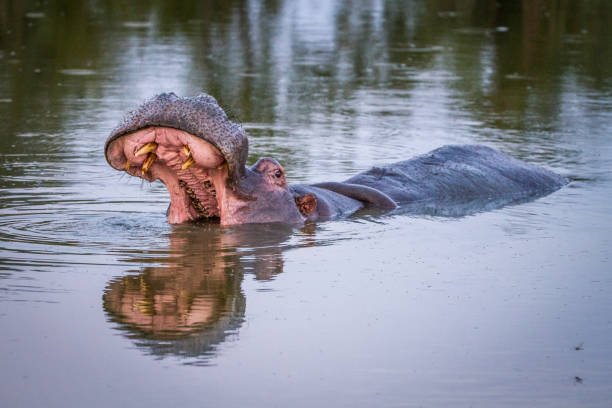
column 306, row 204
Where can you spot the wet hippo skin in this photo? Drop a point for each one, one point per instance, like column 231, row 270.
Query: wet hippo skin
column 200, row 155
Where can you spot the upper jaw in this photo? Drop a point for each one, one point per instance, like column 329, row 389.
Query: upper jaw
column 217, row 151
column 199, row 116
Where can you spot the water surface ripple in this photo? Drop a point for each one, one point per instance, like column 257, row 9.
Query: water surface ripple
column 103, row 303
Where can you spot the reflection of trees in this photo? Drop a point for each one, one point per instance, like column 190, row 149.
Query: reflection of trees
column 191, row 300
column 267, row 60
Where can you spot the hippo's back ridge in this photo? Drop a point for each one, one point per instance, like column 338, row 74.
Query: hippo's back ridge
column 461, row 172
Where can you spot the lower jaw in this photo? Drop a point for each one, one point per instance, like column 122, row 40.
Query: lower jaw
column 205, row 218
column 193, row 171
column 192, row 199
column 203, row 213
column 184, row 208
column 190, row 215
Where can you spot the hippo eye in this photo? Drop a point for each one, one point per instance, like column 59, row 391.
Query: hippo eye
column 278, row 174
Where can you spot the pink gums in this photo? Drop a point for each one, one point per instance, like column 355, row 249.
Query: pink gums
column 195, row 192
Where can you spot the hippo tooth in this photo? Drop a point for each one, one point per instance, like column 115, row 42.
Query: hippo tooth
column 186, row 150
column 148, row 162
column 188, row 163
column 148, row 147
column 127, row 165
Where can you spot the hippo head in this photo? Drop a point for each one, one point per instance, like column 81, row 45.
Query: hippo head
column 200, row 155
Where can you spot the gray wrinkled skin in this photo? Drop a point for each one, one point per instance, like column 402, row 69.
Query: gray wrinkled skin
column 451, row 181
column 200, row 116
column 457, row 173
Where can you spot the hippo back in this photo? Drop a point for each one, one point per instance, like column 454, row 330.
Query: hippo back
column 460, row 173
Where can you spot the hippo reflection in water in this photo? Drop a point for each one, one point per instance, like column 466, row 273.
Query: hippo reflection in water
column 200, row 155
column 176, row 311
column 189, row 302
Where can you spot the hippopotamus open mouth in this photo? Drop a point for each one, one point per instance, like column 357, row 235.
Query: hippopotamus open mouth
column 199, row 154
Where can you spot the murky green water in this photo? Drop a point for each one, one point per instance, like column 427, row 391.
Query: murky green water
column 104, row 304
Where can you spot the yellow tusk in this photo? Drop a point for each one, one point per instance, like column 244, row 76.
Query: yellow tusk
column 127, row 165
column 148, row 147
column 188, row 163
column 146, row 165
column 222, row 166
column 186, row 150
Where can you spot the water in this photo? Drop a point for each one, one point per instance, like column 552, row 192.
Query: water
column 103, row 303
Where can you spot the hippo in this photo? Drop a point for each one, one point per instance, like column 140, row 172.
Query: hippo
column 191, row 145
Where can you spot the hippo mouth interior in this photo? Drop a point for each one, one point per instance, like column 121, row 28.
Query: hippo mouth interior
column 193, row 170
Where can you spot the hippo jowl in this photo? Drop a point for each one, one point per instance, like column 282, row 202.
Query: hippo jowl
column 200, row 155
